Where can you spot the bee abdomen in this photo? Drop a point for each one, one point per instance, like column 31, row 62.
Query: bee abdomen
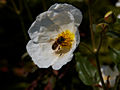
column 55, row 45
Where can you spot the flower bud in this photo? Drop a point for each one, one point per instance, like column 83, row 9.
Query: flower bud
column 102, row 27
column 109, row 17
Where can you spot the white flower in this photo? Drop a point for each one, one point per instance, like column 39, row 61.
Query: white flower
column 109, row 74
column 118, row 16
column 118, row 4
column 54, row 36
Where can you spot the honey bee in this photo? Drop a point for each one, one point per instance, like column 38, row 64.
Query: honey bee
column 59, row 41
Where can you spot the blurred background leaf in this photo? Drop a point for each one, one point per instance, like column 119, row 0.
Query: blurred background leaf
column 115, row 55
column 87, row 72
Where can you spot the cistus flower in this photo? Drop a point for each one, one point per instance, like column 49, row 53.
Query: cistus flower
column 109, row 75
column 54, row 36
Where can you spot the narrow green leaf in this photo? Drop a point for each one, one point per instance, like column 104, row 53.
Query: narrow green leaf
column 87, row 72
column 115, row 55
column 113, row 34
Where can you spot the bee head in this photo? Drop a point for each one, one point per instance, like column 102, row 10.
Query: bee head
column 60, row 40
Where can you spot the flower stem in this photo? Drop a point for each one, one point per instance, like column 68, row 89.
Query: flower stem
column 93, row 44
column 98, row 62
column 91, row 27
column 15, row 7
column 99, row 71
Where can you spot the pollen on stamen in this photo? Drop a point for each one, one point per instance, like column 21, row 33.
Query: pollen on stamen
column 67, row 44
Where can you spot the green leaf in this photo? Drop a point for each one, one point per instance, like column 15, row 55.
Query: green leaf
column 113, row 34
column 87, row 72
column 115, row 55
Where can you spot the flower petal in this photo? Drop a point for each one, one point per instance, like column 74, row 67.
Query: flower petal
column 41, row 54
column 43, row 27
column 61, row 18
column 107, row 71
column 77, row 37
column 68, row 8
column 62, row 60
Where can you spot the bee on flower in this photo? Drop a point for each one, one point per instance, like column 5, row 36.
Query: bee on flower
column 54, row 36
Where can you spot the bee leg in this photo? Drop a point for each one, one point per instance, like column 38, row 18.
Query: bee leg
column 58, row 48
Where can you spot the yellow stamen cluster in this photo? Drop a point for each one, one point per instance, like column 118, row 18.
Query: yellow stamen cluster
column 69, row 38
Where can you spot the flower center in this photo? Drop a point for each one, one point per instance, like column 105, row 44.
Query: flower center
column 69, row 38
column 64, row 42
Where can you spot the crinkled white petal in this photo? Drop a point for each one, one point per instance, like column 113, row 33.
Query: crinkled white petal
column 62, row 60
column 41, row 54
column 112, row 81
column 107, row 71
column 77, row 37
column 57, row 8
column 70, row 26
column 43, row 27
column 61, row 18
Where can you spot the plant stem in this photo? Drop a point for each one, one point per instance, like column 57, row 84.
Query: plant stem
column 91, row 27
column 15, row 7
column 93, row 44
column 98, row 62
column 99, row 71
